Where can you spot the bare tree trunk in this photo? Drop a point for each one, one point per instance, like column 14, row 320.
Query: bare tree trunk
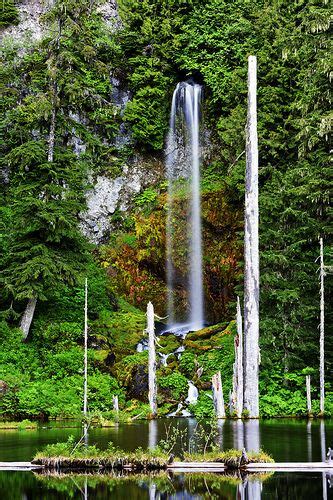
column 27, row 317
column 322, row 331
column 50, row 151
column 232, row 398
column 251, row 250
column 115, row 404
column 236, row 400
column 85, row 376
column 218, row 395
column 85, row 382
column 238, row 382
column 308, row 394
column 152, row 388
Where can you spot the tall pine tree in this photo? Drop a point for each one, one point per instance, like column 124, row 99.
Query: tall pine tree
column 62, row 101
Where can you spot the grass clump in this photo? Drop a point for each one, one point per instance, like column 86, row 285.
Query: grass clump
column 25, row 424
column 231, row 458
column 78, row 456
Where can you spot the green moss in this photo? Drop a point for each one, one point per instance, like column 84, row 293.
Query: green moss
column 168, row 343
column 122, row 329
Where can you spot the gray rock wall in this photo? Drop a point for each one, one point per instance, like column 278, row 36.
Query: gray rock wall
column 109, row 195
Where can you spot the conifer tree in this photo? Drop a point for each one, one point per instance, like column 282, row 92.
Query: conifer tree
column 62, row 100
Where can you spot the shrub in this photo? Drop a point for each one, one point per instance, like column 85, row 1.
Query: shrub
column 176, row 384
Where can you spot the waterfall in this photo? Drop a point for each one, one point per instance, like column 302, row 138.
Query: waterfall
column 193, row 393
column 183, row 146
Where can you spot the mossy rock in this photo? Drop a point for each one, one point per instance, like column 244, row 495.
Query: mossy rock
column 168, row 343
column 196, row 346
column 207, row 332
column 121, row 330
column 209, row 338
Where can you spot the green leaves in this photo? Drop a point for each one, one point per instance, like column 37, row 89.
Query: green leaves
column 8, row 13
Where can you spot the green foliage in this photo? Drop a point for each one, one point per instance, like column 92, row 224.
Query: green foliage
column 187, row 363
column 174, row 437
column 285, row 395
column 231, row 457
column 8, row 13
column 72, row 453
column 61, row 101
column 204, row 407
column 21, row 426
column 46, row 379
column 147, row 197
column 148, row 43
column 63, row 82
column 176, row 384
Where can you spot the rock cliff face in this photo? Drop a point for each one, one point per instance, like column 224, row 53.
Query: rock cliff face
column 108, row 194
column 30, row 28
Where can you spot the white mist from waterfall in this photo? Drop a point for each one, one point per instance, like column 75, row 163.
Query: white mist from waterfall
column 185, row 121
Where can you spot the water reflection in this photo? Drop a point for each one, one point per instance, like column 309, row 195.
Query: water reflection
column 219, row 440
column 286, row 440
column 238, row 433
column 246, row 434
column 249, row 489
column 152, row 434
column 323, row 456
column 21, row 485
column 309, row 439
column 252, row 435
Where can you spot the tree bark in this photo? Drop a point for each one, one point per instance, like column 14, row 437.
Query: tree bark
column 85, row 382
column 308, row 394
column 115, row 404
column 238, row 377
column 50, row 151
column 322, row 331
column 152, row 388
column 27, row 317
column 251, row 251
column 218, row 395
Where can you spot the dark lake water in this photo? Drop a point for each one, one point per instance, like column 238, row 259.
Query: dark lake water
column 285, row 439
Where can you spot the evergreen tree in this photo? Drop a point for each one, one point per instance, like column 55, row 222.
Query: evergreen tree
column 63, row 101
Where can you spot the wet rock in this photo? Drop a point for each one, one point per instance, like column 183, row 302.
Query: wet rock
column 139, row 383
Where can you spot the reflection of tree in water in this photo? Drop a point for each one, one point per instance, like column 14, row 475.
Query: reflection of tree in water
column 309, row 439
column 323, row 456
column 246, row 435
column 152, row 434
column 249, row 489
column 165, row 485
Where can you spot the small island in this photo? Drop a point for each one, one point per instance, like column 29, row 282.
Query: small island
column 73, row 456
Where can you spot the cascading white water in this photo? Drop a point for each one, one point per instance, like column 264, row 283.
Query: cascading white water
column 185, row 122
column 192, row 394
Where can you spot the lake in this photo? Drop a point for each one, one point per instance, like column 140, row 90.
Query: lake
column 285, row 439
